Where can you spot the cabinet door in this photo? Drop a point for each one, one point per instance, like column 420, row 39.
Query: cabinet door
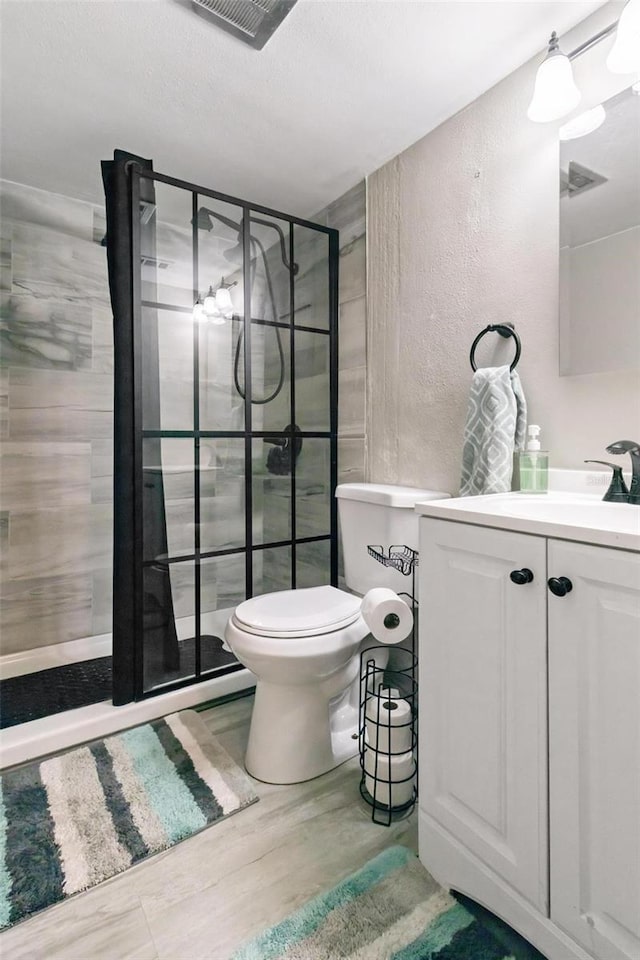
column 483, row 706
column 594, row 741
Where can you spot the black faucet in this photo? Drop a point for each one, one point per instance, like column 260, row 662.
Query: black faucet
column 633, row 449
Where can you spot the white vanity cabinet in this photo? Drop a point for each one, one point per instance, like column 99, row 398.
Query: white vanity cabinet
column 530, row 733
column 594, row 748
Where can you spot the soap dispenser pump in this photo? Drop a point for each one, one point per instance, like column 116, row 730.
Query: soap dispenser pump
column 534, row 464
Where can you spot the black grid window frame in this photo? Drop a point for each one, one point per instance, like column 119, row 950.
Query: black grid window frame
column 250, row 548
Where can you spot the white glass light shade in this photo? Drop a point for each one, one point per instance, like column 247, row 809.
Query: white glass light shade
column 555, row 93
column 198, row 312
column 223, row 300
column 624, row 56
column 209, row 305
column 583, row 124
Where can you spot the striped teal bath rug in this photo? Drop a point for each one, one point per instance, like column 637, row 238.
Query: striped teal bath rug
column 73, row 820
column 391, row 909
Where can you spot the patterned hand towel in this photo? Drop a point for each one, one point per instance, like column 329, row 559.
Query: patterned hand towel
column 495, row 427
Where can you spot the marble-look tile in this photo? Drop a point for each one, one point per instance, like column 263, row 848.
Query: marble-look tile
column 36, row 475
column 353, row 270
column 102, row 340
column 353, row 333
column 351, row 405
column 44, row 333
column 4, row 404
column 48, row 264
column 38, row 611
column 101, row 471
column 5, row 262
column 60, row 542
column 42, row 208
column 348, row 213
column 60, row 405
column 4, row 539
column 101, row 601
column 99, row 225
column 351, row 459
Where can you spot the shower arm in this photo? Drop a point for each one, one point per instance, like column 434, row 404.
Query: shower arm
column 293, row 267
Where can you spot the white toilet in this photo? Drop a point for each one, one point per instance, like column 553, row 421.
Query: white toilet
column 303, row 645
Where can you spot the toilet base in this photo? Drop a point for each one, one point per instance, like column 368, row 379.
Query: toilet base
column 297, row 734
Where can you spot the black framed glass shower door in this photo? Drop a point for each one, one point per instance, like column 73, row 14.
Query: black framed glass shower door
column 234, row 373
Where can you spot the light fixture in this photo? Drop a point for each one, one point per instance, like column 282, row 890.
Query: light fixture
column 217, row 306
column 223, row 298
column 583, row 124
column 555, row 93
column 624, row 56
column 199, row 315
column 209, row 304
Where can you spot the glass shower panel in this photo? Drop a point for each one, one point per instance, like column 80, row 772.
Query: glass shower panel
column 222, row 494
column 270, row 281
column 271, row 496
column 168, row 623
column 167, row 369
column 313, row 564
column 312, row 364
column 313, row 489
column 221, row 341
column 222, row 589
column 312, row 279
column 272, row 570
column 214, row 508
column 165, row 244
column 167, row 498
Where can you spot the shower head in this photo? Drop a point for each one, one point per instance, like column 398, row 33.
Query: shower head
column 204, row 220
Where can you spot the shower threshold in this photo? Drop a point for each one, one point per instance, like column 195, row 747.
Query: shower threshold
column 46, row 674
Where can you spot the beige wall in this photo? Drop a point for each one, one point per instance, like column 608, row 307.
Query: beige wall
column 462, row 232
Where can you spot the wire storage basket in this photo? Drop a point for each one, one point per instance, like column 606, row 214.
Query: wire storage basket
column 388, row 738
column 388, row 717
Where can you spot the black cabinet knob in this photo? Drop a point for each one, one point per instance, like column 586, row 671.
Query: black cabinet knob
column 521, row 576
column 560, row 586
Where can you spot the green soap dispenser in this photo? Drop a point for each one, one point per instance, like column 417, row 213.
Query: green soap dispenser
column 534, row 464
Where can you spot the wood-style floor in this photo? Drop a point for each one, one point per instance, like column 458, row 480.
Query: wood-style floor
column 206, row 895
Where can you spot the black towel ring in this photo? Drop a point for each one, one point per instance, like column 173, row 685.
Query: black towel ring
column 505, row 330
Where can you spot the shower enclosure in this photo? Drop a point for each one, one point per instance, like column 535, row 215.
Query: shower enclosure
column 225, row 320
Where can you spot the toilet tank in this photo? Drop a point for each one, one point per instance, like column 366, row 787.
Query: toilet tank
column 383, row 515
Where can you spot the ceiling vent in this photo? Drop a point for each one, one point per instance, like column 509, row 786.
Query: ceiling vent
column 578, row 179
column 252, row 21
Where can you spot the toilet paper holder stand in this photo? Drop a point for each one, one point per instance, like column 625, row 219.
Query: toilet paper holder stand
column 388, row 715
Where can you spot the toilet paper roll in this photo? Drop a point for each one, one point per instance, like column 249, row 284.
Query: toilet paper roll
column 389, row 725
column 390, row 783
column 387, row 615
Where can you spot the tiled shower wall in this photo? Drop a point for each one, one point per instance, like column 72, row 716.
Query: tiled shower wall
column 57, row 386
column 56, row 401
column 348, row 215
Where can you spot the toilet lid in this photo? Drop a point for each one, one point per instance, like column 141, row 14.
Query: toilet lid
column 297, row 613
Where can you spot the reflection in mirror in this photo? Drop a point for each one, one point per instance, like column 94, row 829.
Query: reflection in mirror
column 600, row 243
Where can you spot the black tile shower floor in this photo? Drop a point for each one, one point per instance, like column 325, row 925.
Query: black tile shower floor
column 32, row 696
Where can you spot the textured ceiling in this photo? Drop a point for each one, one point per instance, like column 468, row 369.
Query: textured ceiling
column 340, row 89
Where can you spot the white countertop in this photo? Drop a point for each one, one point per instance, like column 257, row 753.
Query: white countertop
column 564, row 516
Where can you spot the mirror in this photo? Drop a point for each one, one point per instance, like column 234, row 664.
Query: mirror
column 600, row 243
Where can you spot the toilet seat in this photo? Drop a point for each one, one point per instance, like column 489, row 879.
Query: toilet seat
column 290, row 614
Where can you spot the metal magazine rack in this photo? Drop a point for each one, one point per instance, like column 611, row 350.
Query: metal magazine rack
column 388, row 718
